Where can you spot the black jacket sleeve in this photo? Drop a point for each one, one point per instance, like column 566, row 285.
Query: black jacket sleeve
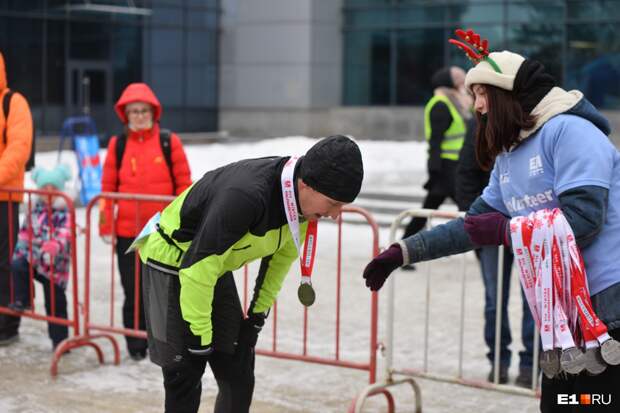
column 585, row 209
column 470, row 178
column 440, row 119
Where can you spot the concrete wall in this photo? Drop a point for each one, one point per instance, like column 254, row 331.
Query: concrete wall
column 405, row 123
column 281, row 74
column 280, row 65
column 369, row 122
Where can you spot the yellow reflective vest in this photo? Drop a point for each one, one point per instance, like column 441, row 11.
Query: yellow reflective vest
column 454, row 136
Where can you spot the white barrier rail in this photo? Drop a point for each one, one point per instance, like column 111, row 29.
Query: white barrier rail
column 408, row 375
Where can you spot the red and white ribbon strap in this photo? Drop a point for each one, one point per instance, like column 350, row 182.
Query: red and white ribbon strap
column 292, row 217
column 553, row 276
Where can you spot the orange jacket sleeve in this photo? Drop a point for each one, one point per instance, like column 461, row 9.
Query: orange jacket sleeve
column 18, row 140
column 109, row 183
column 180, row 167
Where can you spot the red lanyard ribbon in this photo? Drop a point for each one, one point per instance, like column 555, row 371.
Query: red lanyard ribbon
column 305, row 292
column 553, row 277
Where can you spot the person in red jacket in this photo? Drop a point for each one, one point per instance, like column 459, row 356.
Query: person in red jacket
column 143, row 169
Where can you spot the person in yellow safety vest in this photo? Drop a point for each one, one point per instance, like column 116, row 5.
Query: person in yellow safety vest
column 445, row 117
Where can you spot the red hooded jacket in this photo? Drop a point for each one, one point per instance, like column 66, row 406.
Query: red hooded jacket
column 143, row 169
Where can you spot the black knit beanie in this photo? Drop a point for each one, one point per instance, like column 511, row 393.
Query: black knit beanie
column 532, row 83
column 333, row 167
column 442, row 78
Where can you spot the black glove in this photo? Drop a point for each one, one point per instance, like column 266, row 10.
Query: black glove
column 377, row 270
column 250, row 327
column 194, row 345
column 433, row 165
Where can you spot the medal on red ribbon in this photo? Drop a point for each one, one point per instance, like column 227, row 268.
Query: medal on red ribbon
column 305, row 292
column 553, row 277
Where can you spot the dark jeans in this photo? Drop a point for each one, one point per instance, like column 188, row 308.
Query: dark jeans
column 605, row 384
column 127, row 269
column 21, row 282
column 9, row 325
column 234, row 375
column 432, row 201
column 488, row 257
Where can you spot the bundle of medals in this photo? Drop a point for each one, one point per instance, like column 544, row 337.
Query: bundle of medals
column 553, row 277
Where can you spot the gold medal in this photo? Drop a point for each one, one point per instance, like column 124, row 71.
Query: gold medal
column 306, row 294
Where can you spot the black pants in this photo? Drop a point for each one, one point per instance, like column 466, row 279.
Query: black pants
column 606, row 384
column 432, row 201
column 234, row 375
column 21, row 282
column 127, row 269
column 8, row 325
column 232, row 362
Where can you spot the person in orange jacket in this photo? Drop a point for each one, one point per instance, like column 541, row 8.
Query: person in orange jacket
column 15, row 143
column 143, row 169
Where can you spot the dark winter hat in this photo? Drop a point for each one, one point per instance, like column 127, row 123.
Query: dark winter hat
column 333, row 167
column 442, row 77
column 532, row 84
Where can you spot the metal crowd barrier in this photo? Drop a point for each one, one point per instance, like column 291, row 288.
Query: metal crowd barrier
column 336, row 359
column 95, row 329
column 72, row 320
column 108, row 330
column 396, row 375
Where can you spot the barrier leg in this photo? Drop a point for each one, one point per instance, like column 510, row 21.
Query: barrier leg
column 357, row 404
column 81, row 341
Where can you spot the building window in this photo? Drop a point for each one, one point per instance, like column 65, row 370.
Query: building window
column 392, row 47
column 66, row 56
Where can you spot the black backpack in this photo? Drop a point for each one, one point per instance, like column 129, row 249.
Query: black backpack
column 6, row 108
column 164, row 141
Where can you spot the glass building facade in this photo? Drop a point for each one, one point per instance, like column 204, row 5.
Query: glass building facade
column 70, row 56
column 392, row 47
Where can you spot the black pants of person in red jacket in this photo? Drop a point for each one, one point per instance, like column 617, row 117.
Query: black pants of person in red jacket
column 127, row 268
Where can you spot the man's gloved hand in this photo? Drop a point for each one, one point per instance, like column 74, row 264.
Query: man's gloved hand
column 490, row 228
column 377, row 270
column 250, row 327
column 194, row 345
column 107, row 239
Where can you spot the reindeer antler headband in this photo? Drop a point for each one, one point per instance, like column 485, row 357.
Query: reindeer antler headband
column 480, row 50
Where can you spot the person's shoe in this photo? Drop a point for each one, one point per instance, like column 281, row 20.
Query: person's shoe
column 7, row 339
column 19, row 306
column 137, row 355
column 524, row 379
column 503, row 375
column 408, row 267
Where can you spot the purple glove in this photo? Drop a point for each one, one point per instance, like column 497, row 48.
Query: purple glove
column 491, row 228
column 377, row 270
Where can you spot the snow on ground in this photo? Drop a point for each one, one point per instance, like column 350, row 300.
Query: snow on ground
column 281, row 385
column 387, row 165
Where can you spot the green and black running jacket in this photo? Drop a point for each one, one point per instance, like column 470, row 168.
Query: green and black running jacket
column 230, row 217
